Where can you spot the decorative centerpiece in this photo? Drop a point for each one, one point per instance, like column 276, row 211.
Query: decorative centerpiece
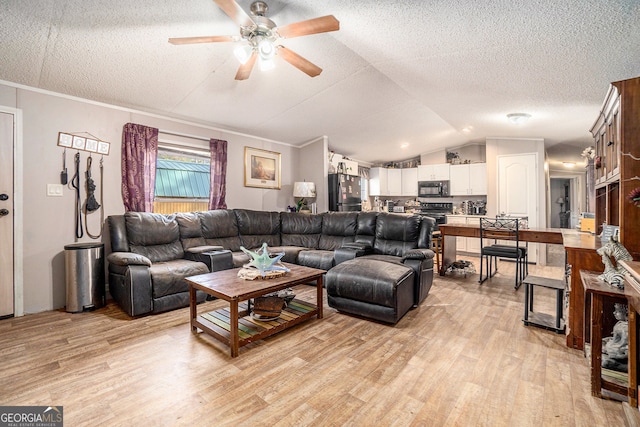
column 613, row 251
column 262, row 265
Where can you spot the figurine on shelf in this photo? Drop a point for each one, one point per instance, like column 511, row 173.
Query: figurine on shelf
column 615, row 349
column 613, row 274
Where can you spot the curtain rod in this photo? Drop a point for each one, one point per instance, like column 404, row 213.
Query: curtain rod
column 185, row 135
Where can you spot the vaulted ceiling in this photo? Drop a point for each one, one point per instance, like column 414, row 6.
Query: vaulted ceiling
column 415, row 72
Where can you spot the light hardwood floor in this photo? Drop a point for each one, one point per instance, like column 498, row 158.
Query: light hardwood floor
column 463, row 358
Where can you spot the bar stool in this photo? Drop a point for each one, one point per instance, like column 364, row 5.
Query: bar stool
column 436, row 246
column 542, row 319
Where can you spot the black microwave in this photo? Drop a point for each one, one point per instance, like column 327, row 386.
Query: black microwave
column 433, row 189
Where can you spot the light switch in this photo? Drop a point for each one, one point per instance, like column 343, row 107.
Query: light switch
column 54, row 190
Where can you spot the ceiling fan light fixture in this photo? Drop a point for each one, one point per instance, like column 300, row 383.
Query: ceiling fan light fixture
column 243, row 53
column 266, row 49
column 518, row 118
column 267, row 64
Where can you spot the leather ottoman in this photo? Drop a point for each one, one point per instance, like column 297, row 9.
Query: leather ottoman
column 370, row 288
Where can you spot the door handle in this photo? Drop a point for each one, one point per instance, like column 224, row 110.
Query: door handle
column 4, row 212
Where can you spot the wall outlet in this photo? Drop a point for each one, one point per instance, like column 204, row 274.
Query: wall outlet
column 54, row 190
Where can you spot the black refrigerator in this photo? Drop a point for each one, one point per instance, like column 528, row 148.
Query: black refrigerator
column 344, row 192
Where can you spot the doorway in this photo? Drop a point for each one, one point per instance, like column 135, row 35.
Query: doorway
column 7, row 282
column 566, row 200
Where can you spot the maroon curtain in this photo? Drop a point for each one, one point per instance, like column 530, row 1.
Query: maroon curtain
column 139, row 154
column 218, row 186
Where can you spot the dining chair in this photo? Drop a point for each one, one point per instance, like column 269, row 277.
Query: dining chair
column 507, row 230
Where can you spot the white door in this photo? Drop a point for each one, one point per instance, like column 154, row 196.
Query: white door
column 518, row 190
column 6, row 215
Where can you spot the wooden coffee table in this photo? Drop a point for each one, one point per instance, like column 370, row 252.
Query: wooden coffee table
column 234, row 326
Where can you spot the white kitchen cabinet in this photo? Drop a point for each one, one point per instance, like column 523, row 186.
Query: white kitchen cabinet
column 349, row 167
column 410, row 182
column 394, row 183
column 438, row 172
column 466, row 244
column 461, row 242
column 378, row 182
column 468, row 180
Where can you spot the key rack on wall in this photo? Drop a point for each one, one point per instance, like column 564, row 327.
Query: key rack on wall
column 83, row 141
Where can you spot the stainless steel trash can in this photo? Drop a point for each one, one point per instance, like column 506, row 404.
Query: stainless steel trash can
column 84, row 267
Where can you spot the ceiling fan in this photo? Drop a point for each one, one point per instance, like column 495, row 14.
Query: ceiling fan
column 263, row 35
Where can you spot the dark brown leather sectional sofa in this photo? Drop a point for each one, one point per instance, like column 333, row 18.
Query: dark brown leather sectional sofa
column 153, row 253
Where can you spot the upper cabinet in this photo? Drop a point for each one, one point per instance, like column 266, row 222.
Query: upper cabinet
column 378, row 182
column 468, row 179
column 393, row 182
column 433, row 172
column 606, row 133
column 342, row 165
column 616, row 133
column 410, row 182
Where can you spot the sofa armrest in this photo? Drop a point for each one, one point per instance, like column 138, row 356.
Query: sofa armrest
column 201, row 249
column 365, row 247
column 128, row 258
column 215, row 260
column 345, row 254
column 418, row 254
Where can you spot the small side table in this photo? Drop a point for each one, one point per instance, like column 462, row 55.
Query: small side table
column 595, row 292
column 542, row 319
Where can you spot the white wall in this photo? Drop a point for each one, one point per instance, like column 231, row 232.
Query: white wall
column 313, row 156
column 49, row 221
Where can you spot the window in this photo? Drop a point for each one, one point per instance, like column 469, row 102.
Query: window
column 182, row 180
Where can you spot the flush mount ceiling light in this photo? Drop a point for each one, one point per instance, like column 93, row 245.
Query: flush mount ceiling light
column 568, row 164
column 518, row 118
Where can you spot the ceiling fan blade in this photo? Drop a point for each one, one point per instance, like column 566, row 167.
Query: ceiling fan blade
column 245, row 69
column 235, row 12
column 202, row 39
column 299, row 62
column 310, row 26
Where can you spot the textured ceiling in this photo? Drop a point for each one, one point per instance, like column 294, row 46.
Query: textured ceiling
column 396, row 72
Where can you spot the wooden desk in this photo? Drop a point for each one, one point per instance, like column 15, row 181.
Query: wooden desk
column 451, row 231
column 581, row 255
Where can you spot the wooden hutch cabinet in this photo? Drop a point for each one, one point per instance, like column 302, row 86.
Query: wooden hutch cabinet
column 616, row 132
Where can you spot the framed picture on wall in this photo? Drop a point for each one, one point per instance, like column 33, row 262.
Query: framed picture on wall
column 261, row 168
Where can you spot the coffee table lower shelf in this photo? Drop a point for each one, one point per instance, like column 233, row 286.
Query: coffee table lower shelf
column 216, row 323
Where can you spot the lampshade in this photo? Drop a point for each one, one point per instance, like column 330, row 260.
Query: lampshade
column 560, row 200
column 304, row 189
